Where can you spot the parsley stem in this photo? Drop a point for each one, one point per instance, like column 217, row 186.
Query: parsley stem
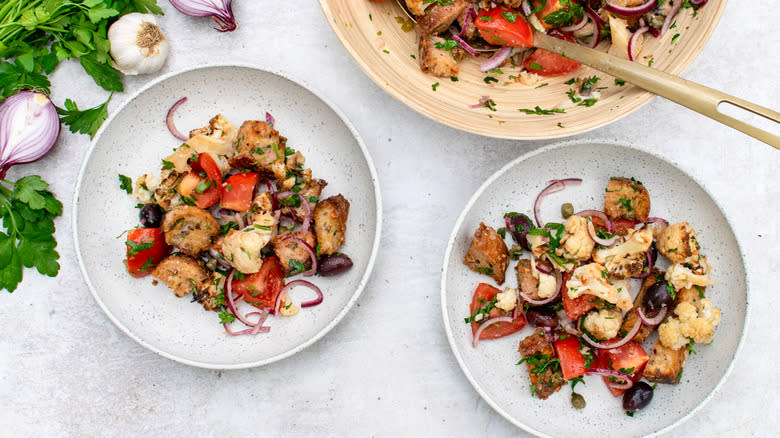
column 5, row 193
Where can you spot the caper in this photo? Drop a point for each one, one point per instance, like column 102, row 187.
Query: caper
column 577, row 400
column 567, row 210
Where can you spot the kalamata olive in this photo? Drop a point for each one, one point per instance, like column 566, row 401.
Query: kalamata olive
column 518, row 226
column 151, row 216
column 542, row 317
column 637, row 397
column 656, row 297
column 334, row 264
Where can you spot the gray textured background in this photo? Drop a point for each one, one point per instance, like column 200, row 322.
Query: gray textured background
column 387, row 368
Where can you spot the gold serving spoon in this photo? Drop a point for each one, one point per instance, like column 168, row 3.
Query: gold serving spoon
column 703, row 100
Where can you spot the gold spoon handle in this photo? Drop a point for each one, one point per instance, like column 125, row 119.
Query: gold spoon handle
column 697, row 97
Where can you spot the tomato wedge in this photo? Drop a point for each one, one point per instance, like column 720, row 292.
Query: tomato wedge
column 578, row 306
column 504, row 27
column 572, row 361
column 238, row 190
column 262, row 288
column 146, row 248
column 629, row 357
column 622, row 224
column 483, row 295
column 546, row 63
column 210, row 167
column 547, row 8
column 198, row 190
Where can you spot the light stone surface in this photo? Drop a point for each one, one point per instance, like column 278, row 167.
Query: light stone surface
column 387, row 369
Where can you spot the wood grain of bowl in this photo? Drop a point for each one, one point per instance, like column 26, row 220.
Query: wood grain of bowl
column 372, row 34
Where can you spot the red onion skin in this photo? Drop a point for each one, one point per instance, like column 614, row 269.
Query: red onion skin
column 220, row 10
column 34, row 145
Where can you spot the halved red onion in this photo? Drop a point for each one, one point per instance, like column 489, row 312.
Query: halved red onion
column 269, row 119
column 670, row 16
column 169, row 120
column 463, row 43
column 577, row 26
column 600, row 214
column 558, row 280
column 627, row 382
column 219, row 10
column 496, row 60
column 554, row 186
column 599, row 240
column 654, row 321
column 312, row 254
column 29, row 128
column 626, row 339
column 634, row 11
column 308, row 284
column 634, row 37
column 487, row 324
column 482, row 102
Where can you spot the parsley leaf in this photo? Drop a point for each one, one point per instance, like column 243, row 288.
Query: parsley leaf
column 86, row 121
column 126, row 183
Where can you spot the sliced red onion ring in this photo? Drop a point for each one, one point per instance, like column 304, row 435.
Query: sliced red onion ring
column 600, row 214
column 240, row 221
column 654, row 321
column 597, row 239
column 496, row 60
column 598, row 24
column 468, row 19
column 541, row 268
column 308, row 284
column 482, row 102
column 526, row 8
column 257, row 328
column 306, row 216
column 633, row 40
column 626, row 339
column 612, row 373
column 649, row 265
column 634, row 11
column 554, row 186
column 230, row 300
column 463, row 43
column 269, row 119
column 670, row 16
column 487, row 324
column 169, row 120
column 657, row 220
column 272, row 193
column 218, row 257
column 577, row 26
column 313, row 255
column 558, row 280
column 698, row 3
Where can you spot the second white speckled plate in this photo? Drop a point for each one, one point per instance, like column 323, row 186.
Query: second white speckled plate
column 492, row 369
column 134, row 140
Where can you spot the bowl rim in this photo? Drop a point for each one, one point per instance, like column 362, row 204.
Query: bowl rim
column 643, row 98
column 499, row 173
column 375, row 244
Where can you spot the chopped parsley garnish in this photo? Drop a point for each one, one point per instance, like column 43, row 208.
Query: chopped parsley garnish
column 626, row 203
column 541, row 112
column 446, row 45
column 126, row 183
column 167, row 164
column 541, row 362
column 134, row 248
column 534, row 66
column 690, row 346
column 296, row 267
column 484, row 310
column 434, row 86
column 489, row 79
column 509, row 16
column 226, row 317
column 671, row 290
column 620, row 82
column 486, row 271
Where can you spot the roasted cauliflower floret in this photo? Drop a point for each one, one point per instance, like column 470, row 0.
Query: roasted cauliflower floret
column 592, row 279
column 684, row 276
column 242, row 248
column 693, row 322
column 626, row 198
column 576, row 241
column 678, row 243
column 604, row 323
column 417, row 7
column 507, row 300
column 287, row 308
column 626, row 259
column 539, row 245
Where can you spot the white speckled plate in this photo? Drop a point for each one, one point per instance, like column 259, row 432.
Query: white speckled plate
column 134, row 140
column 675, row 196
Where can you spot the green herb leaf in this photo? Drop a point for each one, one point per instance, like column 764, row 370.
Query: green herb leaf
column 126, row 183
column 87, row 121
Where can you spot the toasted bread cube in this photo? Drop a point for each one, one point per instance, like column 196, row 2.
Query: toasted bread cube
column 330, row 223
column 190, row 229
column 439, row 61
column 183, row 274
column 551, row 380
column 439, row 17
column 488, row 254
column 626, row 198
column 665, row 365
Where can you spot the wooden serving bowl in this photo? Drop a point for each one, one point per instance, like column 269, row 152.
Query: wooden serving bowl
column 372, row 33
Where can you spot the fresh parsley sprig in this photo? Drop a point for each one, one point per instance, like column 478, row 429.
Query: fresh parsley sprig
column 27, row 211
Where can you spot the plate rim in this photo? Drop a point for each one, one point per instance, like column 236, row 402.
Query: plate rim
column 545, row 149
column 323, row 331
column 644, row 97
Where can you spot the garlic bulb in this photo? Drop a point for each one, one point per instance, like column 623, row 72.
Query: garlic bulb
column 138, row 45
